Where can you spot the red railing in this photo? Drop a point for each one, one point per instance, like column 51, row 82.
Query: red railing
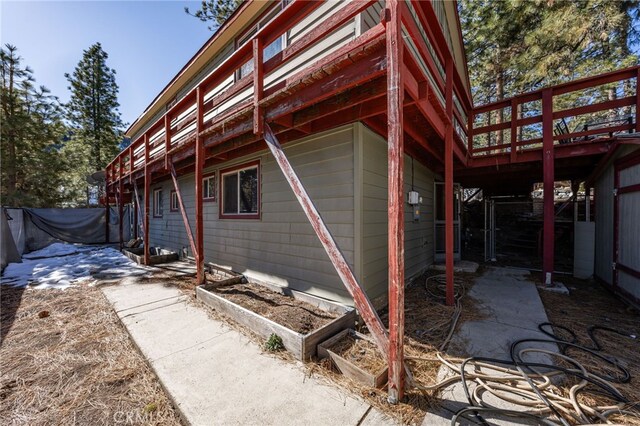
column 585, row 110
column 225, row 94
column 228, row 97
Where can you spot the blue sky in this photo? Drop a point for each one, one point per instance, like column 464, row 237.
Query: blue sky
column 148, row 42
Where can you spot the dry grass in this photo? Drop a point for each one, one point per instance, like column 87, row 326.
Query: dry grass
column 427, row 325
column 361, row 352
column 66, row 359
column 590, row 304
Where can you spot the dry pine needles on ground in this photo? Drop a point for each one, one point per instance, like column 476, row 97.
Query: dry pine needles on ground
column 589, row 304
column 66, row 359
column 427, row 325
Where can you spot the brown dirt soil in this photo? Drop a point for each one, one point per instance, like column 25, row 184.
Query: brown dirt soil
column 590, row 304
column 296, row 315
column 66, row 359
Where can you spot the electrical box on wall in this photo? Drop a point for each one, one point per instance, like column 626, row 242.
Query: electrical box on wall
column 414, row 198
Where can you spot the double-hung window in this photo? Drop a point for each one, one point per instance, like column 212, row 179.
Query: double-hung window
column 209, row 187
column 269, row 51
column 173, row 201
column 240, row 192
column 157, row 202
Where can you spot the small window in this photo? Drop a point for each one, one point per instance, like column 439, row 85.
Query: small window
column 209, row 188
column 157, row 203
column 240, row 191
column 173, row 205
column 269, row 51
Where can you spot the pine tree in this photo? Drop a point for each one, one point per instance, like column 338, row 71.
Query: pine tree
column 93, row 113
column 516, row 46
column 215, row 11
column 31, row 133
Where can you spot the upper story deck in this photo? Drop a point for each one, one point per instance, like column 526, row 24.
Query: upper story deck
column 309, row 66
column 305, row 67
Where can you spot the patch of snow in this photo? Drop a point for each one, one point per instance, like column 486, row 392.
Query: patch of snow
column 67, row 267
column 55, row 249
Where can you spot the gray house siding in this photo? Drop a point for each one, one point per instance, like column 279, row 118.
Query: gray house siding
column 168, row 231
column 280, row 247
column 418, row 235
column 345, row 172
column 604, row 218
column 604, row 226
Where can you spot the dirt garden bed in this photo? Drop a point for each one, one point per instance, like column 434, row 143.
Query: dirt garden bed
column 300, row 320
column 66, row 359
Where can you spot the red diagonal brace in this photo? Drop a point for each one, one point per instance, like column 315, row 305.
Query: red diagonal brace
column 362, row 302
column 183, row 211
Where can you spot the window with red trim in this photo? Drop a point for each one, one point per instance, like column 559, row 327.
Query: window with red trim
column 240, row 192
column 157, row 202
column 173, row 201
column 209, row 187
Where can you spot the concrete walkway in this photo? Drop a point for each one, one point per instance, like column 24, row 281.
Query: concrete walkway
column 216, row 376
column 514, row 310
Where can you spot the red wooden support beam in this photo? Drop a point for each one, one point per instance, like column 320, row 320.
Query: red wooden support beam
column 362, row 302
column 395, row 154
column 183, row 211
column 548, row 160
column 514, row 130
column 638, row 100
column 167, row 140
column 147, row 189
column 199, row 165
column 106, row 215
column 131, row 162
column 470, row 121
column 120, row 201
column 448, row 184
column 258, row 86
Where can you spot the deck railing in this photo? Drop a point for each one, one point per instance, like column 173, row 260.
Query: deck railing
column 586, row 110
column 226, row 92
column 229, row 94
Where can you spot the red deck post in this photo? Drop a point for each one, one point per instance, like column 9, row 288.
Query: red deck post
column 258, row 86
column 131, row 162
column 147, row 189
column 638, row 100
column 395, row 101
column 470, row 120
column 107, row 182
column 167, row 140
column 120, row 200
column 548, row 186
column 514, row 130
column 448, row 183
column 199, row 248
